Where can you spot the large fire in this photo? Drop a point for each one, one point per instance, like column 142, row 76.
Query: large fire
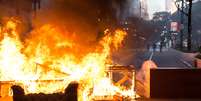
column 47, row 54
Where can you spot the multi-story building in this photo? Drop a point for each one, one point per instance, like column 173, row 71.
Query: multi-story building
column 138, row 8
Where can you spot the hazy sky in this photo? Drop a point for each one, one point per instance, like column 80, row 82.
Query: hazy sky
column 159, row 5
column 155, row 6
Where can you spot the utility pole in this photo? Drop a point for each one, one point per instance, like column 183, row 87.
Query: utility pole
column 140, row 2
column 189, row 26
column 182, row 25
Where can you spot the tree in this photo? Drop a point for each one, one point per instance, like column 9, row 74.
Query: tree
column 189, row 14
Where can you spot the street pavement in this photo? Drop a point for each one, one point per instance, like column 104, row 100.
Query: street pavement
column 168, row 58
column 171, row 58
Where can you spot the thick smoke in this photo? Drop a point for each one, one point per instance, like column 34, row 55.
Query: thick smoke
column 85, row 16
column 77, row 15
column 84, row 20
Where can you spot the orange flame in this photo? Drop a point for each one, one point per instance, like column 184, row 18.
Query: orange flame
column 48, row 54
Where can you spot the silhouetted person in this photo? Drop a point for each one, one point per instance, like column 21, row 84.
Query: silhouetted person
column 161, row 46
column 154, row 47
column 148, row 47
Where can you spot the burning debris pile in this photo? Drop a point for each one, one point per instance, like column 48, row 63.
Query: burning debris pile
column 50, row 58
column 70, row 94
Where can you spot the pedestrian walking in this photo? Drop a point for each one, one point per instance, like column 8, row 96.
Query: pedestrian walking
column 154, row 47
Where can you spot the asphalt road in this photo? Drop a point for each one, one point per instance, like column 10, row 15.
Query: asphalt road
column 171, row 58
column 168, row 58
